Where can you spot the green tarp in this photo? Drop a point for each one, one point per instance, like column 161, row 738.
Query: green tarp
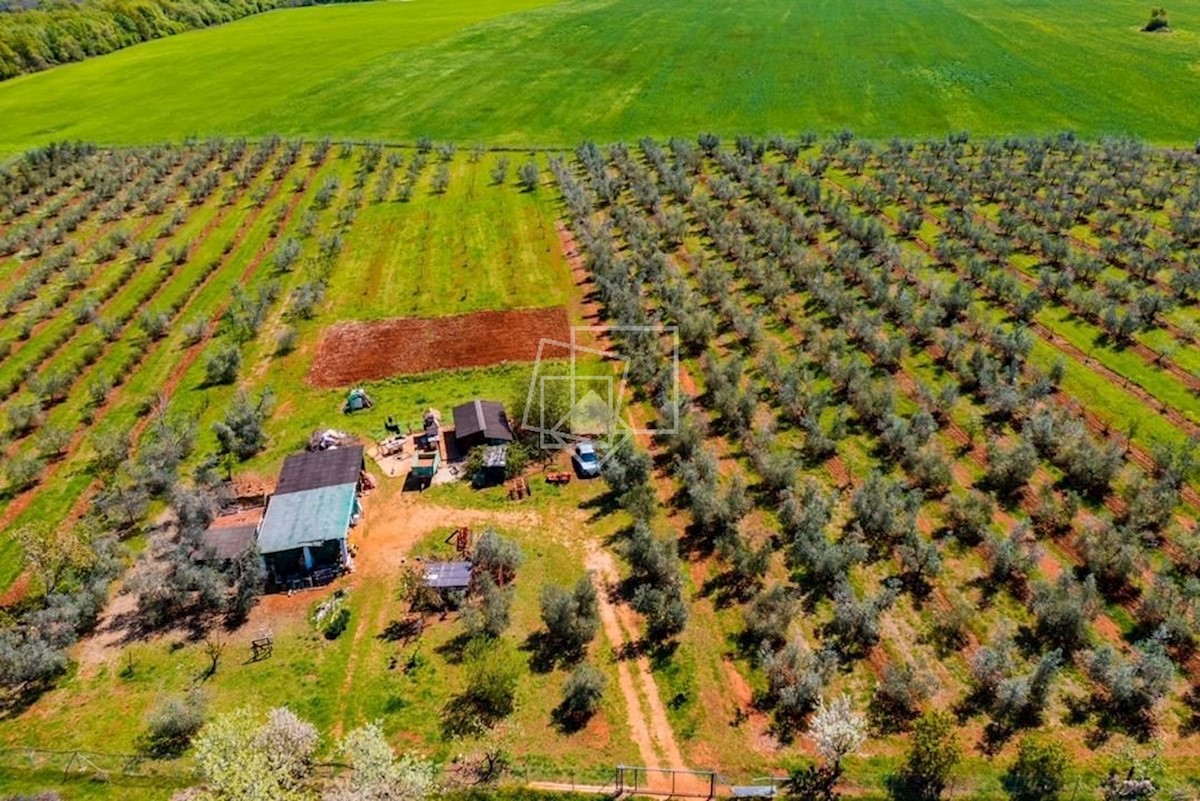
column 307, row 518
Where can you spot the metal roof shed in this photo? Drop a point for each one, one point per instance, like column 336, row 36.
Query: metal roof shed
column 448, row 575
column 307, row 518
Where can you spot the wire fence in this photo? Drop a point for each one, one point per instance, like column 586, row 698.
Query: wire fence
column 136, row 769
column 79, row 762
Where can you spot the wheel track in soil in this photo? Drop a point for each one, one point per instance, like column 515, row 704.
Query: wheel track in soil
column 649, row 724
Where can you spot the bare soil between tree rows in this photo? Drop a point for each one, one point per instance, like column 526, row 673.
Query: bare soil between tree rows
column 371, row 351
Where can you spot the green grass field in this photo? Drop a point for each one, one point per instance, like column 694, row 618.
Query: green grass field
column 524, row 72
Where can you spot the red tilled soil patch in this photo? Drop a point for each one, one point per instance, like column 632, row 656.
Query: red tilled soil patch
column 353, row 352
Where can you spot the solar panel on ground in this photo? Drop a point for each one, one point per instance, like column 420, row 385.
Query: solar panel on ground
column 448, row 575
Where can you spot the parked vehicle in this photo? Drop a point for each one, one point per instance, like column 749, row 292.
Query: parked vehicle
column 587, row 460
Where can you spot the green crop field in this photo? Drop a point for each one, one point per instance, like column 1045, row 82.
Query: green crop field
column 523, row 72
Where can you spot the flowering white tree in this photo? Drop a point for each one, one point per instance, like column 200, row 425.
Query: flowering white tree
column 242, row 759
column 378, row 774
column 837, row 730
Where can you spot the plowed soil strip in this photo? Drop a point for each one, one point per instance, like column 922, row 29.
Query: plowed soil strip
column 370, row 351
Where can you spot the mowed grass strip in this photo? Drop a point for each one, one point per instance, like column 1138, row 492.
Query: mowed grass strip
column 526, row 72
column 477, row 246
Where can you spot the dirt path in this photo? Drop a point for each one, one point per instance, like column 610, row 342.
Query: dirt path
column 648, row 724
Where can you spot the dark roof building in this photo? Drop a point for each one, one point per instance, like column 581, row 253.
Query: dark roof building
column 304, row 529
column 227, row 543
column 480, row 422
column 316, row 469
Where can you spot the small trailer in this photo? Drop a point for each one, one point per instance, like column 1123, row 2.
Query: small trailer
column 558, row 478
column 426, row 464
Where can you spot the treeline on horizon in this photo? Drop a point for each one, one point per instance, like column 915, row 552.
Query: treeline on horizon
column 60, row 31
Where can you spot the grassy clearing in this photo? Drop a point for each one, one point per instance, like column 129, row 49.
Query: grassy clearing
column 524, row 72
column 476, row 246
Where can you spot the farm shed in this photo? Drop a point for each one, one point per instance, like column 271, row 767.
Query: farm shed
column 303, row 533
column 446, row 576
column 481, row 422
column 225, row 544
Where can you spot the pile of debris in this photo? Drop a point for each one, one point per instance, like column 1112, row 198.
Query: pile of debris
column 329, row 439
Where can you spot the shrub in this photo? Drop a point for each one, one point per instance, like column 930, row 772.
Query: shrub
column 498, row 556
column 933, row 753
column 52, row 441
column 500, row 171
column 377, row 774
column 854, row 628
column 23, row 417
column 898, row 697
column 440, row 181
column 795, row 678
column 571, row 617
column 242, row 433
column 663, row 606
column 969, row 516
column 285, row 342
column 222, row 365
column 22, row 472
column 337, row 624
column 1158, row 21
column 1063, row 610
column 172, row 724
column 154, row 324
column 1010, row 467
column 492, row 674
column 769, row 617
column 527, row 176
column 1127, row 688
column 884, row 511
column 1039, row 772
column 488, row 615
column 582, row 693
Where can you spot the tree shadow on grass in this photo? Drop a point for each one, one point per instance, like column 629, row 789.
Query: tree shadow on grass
column 546, row 654
column 454, row 650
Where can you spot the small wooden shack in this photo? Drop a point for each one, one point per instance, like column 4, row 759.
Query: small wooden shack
column 481, row 422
